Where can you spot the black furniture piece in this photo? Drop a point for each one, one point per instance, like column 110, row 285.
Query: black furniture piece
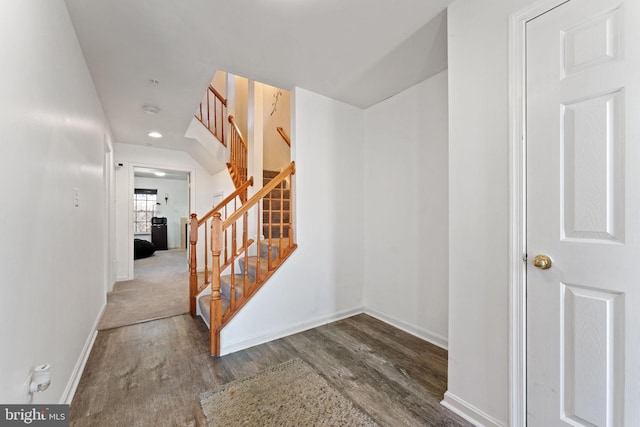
column 142, row 248
column 159, row 233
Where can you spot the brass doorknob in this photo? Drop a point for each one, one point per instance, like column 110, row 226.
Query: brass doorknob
column 543, row 262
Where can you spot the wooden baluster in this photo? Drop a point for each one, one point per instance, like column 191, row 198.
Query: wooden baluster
column 206, row 255
column 290, row 212
column 245, row 240
column 208, row 112
column 215, row 114
column 222, row 123
column 270, row 231
column 259, row 228
column 226, row 246
column 193, row 274
column 281, row 219
column 293, row 171
column 234, row 251
column 290, row 233
column 216, row 302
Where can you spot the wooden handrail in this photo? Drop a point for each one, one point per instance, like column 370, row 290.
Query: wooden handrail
column 284, row 135
column 238, row 154
column 235, row 125
column 226, row 201
column 212, row 113
column 289, row 170
column 217, row 94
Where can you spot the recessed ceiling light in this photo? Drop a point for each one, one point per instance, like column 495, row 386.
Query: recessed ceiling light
column 155, row 134
column 159, row 173
column 150, row 109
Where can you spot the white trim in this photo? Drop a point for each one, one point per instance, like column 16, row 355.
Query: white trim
column 74, row 380
column 469, row 412
column 417, row 331
column 517, row 208
column 281, row 333
column 122, row 279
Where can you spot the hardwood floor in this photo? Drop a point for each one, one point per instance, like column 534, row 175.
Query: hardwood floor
column 151, row 374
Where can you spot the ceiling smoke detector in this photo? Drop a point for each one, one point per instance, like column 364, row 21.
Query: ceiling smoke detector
column 150, row 109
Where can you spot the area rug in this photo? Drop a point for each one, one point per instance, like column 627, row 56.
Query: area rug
column 288, row 394
column 160, row 289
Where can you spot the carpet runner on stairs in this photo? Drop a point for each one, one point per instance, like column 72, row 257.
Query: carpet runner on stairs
column 225, row 281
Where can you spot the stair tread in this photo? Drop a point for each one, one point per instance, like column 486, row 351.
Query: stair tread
column 275, row 241
column 225, row 285
column 204, row 301
column 205, row 306
column 253, row 261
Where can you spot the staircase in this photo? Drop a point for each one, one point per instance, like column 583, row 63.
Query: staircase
column 243, row 241
column 235, row 265
column 228, row 282
column 276, row 206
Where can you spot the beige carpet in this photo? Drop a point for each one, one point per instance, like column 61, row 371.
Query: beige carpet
column 160, row 289
column 288, row 394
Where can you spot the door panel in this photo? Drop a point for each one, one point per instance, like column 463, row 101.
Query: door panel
column 592, row 169
column 583, row 200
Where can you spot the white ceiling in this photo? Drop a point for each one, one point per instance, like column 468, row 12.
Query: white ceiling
column 142, row 172
column 356, row 51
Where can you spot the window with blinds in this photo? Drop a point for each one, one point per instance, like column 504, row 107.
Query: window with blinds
column 144, row 205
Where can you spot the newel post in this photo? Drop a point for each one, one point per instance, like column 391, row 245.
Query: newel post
column 216, row 302
column 193, row 264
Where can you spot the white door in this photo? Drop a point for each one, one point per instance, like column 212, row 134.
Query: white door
column 583, row 212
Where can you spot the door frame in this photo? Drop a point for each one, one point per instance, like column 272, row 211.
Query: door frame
column 191, row 192
column 517, row 207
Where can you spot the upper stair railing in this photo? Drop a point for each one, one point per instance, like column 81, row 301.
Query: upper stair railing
column 284, row 135
column 257, row 258
column 212, row 113
column 238, row 155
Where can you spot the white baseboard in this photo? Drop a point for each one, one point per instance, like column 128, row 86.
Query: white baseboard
column 421, row 333
column 469, row 412
column 72, row 385
column 281, row 333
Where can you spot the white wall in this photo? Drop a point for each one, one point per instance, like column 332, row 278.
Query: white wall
column 323, row 280
column 277, row 153
column 405, row 210
column 176, row 208
column 478, row 206
column 52, row 254
column 219, row 82
column 240, row 110
column 201, row 192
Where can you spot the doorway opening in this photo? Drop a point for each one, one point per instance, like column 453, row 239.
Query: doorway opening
column 161, row 203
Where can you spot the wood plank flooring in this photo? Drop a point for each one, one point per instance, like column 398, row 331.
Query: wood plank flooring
column 151, row 374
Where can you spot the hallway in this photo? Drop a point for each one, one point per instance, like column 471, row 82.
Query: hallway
column 160, row 289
